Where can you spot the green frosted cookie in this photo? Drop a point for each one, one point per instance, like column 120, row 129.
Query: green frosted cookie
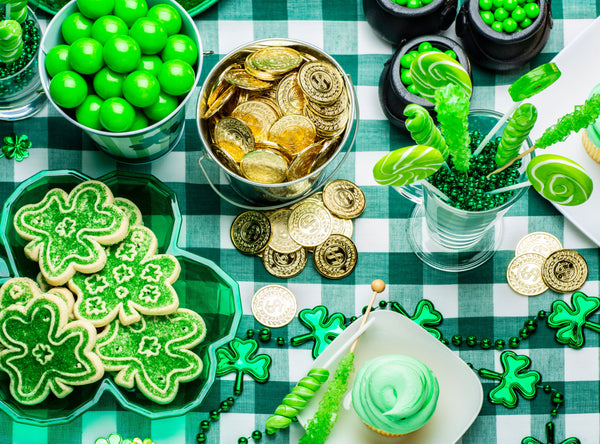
column 154, row 354
column 134, row 280
column 21, row 290
column 67, row 231
column 130, row 209
column 44, row 351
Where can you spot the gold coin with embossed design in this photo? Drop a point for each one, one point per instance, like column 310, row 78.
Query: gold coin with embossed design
column 565, row 271
column 264, row 166
column 251, row 232
column 344, row 199
column 259, row 116
column 281, row 241
column 336, row 257
column 290, row 97
column 276, row 59
column 538, row 242
column 321, row 82
column 242, row 79
column 310, row 224
column 234, row 136
column 524, row 274
column 304, row 160
column 274, row 306
column 341, row 226
column 284, row 265
column 293, row 133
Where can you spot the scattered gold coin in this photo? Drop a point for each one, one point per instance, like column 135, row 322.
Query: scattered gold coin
column 344, row 199
column 274, row 306
column 538, row 242
column 284, row 265
column 281, row 241
column 310, row 224
column 264, row 166
column 251, row 232
column 524, row 274
column 336, row 257
column 565, row 271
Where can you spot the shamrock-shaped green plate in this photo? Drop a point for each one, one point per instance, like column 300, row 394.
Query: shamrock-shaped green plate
column 193, row 7
column 202, row 286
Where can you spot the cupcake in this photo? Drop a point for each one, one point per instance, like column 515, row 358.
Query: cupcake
column 395, row 394
column 591, row 136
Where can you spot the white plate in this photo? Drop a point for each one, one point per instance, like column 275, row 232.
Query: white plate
column 388, row 332
column 580, row 67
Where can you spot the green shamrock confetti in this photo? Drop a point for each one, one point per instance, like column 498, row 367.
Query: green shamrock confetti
column 134, row 280
column 515, row 378
column 16, row 146
column 549, row 437
column 155, row 354
column 323, row 328
column 570, row 322
column 239, row 356
column 44, row 351
column 425, row 315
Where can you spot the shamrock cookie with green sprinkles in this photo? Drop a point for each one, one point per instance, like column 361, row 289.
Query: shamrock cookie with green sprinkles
column 21, row 290
column 68, row 232
column 154, row 354
column 45, row 352
column 134, row 281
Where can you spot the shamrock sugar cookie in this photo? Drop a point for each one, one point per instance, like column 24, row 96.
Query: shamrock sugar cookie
column 154, row 354
column 21, row 290
column 67, row 231
column 134, row 280
column 130, row 209
column 44, row 351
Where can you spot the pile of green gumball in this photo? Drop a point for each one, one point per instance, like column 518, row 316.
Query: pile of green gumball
column 508, row 15
column 407, row 59
column 412, row 3
column 123, row 66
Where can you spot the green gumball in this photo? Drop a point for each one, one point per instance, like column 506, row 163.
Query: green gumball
column 168, row 16
column 122, row 53
column 180, row 46
column 150, row 34
column 85, row 56
column 68, row 89
column 108, row 26
column 130, row 10
column 141, row 89
column 88, row 113
column 116, row 115
column 57, row 60
column 150, row 64
column 94, row 9
column 162, row 108
column 176, row 77
column 76, row 26
column 140, row 121
column 108, row 83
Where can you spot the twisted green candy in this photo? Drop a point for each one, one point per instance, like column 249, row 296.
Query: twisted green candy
column 516, row 132
column 296, row 400
column 407, row 165
column 559, row 179
column 422, row 128
column 18, row 9
column 583, row 116
column 452, row 107
column 431, row 71
column 11, row 41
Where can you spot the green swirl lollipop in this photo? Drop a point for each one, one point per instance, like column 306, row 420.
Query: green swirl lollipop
column 515, row 133
column 407, row 165
column 432, row 70
column 11, row 41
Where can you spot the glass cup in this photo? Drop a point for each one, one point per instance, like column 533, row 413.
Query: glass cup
column 451, row 239
column 21, row 94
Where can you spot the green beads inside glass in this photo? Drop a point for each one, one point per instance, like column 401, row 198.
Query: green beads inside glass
column 407, row 59
column 412, row 3
column 508, row 16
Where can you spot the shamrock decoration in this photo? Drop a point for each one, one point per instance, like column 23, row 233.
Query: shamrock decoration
column 323, row 328
column 425, row 315
column 44, row 351
column 67, row 231
column 155, row 353
column 239, row 356
column 549, row 437
column 16, row 146
column 571, row 321
column 134, row 280
column 514, row 378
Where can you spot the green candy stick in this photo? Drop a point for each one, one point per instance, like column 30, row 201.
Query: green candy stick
column 422, row 128
column 11, row 41
column 516, row 131
column 452, row 107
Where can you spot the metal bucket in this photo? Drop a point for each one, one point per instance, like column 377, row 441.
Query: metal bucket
column 146, row 144
column 244, row 193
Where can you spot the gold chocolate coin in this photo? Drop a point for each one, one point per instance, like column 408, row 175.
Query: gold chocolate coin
column 293, row 133
column 264, row 166
column 289, row 95
column 281, row 241
column 524, row 274
column 242, row 79
column 321, row 82
column 303, row 161
column 274, row 306
column 565, row 271
column 341, row 226
column 258, row 115
column 284, row 265
column 538, row 242
column 327, row 127
column 276, row 59
column 234, row 136
column 251, row 232
column 336, row 257
column 329, row 147
column 344, row 199
column 310, row 224
column 333, row 110
column 226, row 159
column 219, row 102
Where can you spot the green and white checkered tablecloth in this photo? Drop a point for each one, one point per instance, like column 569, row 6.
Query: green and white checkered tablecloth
column 477, row 302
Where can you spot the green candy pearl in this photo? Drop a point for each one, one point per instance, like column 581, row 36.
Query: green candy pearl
column 176, row 77
column 485, row 5
column 130, row 10
column 406, row 60
column 526, row 22
column 94, row 9
column 487, row 17
column 108, row 83
column 76, row 26
column 500, row 14
column 518, row 14
column 205, row 425
column 108, row 26
column 451, row 54
column 509, row 25
column 497, row 26
column 405, row 77
column 85, row 56
column 168, row 16
column 414, row 4
column 141, row 89
column 140, row 121
column 182, row 47
column 425, row 47
column 116, row 115
column 532, row 10
column 510, row 5
column 68, row 89
column 150, row 35
column 57, row 60
column 256, row 435
column 88, row 113
column 122, row 53
column 150, row 64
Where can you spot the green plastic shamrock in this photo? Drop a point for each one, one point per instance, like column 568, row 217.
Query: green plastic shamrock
column 425, row 315
column 549, row 437
column 154, row 354
column 16, row 146
column 67, row 231
column 239, row 356
column 323, row 328
column 134, row 280
column 513, row 379
column 44, row 351
column 571, row 321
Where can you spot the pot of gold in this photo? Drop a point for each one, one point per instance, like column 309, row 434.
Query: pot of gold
column 278, row 117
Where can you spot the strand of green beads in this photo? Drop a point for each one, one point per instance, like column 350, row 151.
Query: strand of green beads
column 264, row 335
column 214, row 416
